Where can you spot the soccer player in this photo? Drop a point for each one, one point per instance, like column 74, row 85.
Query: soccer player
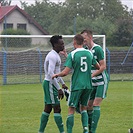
column 99, row 83
column 51, row 87
column 80, row 61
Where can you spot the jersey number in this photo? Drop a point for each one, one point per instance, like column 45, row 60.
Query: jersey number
column 83, row 64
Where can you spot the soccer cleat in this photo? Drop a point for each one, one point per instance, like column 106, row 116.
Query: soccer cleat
column 130, row 130
column 85, row 130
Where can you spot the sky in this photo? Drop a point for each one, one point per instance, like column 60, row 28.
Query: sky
column 129, row 3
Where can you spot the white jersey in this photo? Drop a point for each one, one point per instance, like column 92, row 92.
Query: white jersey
column 52, row 66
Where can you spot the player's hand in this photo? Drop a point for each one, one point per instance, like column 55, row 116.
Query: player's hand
column 60, row 94
column 63, row 53
column 64, row 87
column 54, row 76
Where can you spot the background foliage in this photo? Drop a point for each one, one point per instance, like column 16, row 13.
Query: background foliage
column 16, row 42
column 103, row 17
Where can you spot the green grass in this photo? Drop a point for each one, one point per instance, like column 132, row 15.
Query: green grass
column 21, row 107
column 24, row 79
column 115, row 48
column 1, row 80
column 122, row 77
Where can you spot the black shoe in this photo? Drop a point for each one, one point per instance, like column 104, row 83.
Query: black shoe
column 130, row 130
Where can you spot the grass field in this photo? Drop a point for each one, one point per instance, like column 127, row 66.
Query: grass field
column 30, row 79
column 21, row 107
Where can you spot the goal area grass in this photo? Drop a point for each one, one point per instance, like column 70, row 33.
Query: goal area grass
column 21, row 107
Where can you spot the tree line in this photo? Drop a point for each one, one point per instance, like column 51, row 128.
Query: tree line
column 104, row 17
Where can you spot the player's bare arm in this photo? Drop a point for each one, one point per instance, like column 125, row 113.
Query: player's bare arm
column 65, row 72
column 101, row 67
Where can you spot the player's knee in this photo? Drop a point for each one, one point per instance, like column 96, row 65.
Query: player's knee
column 57, row 109
column 90, row 106
column 97, row 101
column 48, row 108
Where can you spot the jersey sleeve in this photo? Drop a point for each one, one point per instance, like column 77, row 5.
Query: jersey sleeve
column 68, row 62
column 94, row 62
column 99, row 53
column 51, row 68
column 60, row 80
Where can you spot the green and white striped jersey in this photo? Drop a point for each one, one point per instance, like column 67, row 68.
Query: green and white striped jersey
column 81, row 61
column 98, row 55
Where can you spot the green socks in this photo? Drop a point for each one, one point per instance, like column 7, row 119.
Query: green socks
column 84, row 120
column 90, row 114
column 70, row 123
column 95, row 118
column 59, row 122
column 43, row 121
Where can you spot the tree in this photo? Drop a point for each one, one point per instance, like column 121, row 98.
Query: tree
column 5, row 2
column 102, row 16
column 123, row 34
column 43, row 12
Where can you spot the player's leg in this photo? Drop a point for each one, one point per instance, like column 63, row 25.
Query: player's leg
column 58, row 117
column 90, row 107
column 47, row 108
column 90, row 113
column 100, row 95
column 84, row 119
column 49, row 99
column 84, row 102
column 57, row 110
column 44, row 117
column 70, row 119
column 72, row 103
column 96, row 114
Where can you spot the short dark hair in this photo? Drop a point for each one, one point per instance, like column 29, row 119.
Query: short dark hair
column 79, row 39
column 88, row 31
column 54, row 39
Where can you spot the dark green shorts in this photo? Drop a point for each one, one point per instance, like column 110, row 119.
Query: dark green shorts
column 77, row 96
column 50, row 93
column 99, row 91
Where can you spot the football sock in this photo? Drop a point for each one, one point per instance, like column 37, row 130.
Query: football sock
column 70, row 123
column 95, row 118
column 59, row 122
column 77, row 109
column 84, row 120
column 90, row 113
column 43, row 121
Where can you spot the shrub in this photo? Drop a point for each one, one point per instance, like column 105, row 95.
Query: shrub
column 16, row 42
